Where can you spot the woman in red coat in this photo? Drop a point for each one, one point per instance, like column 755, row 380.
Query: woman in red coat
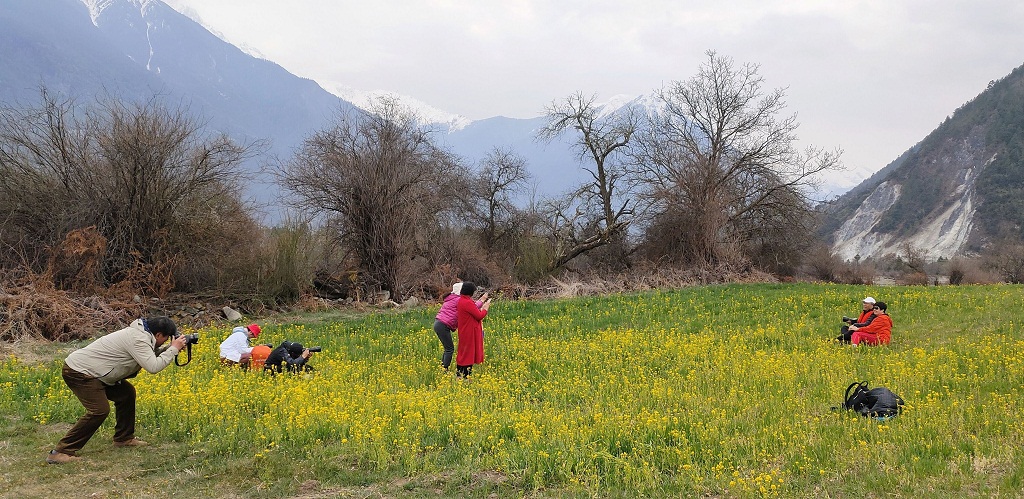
column 878, row 332
column 471, row 330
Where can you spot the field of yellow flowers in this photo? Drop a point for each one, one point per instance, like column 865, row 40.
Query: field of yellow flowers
column 721, row 390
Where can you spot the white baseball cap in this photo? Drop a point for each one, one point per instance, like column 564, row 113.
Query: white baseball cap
column 869, row 300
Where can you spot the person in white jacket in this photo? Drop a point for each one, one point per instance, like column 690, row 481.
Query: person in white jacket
column 235, row 350
column 98, row 374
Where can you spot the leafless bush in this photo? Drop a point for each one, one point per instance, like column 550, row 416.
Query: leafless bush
column 379, row 179
column 823, row 265
column 532, row 260
column 964, row 270
column 1006, row 258
column 857, row 273
column 468, row 262
column 143, row 177
column 914, row 260
column 820, row 263
column 914, row 279
column 274, row 265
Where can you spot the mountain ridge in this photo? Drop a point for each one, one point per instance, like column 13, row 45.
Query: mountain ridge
column 953, row 193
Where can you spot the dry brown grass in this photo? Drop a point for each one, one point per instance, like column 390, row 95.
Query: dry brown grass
column 69, row 300
column 76, row 263
column 31, row 307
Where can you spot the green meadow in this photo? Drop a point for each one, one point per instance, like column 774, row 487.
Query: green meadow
column 705, row 391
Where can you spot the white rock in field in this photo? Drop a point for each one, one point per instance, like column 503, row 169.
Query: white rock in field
column 231, row 314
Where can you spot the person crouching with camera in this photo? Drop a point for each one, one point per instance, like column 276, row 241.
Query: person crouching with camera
column 289, row 356
column 235, row 350
column 98, row 374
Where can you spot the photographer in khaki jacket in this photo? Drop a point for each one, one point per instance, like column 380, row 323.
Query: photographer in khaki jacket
column 97, row 374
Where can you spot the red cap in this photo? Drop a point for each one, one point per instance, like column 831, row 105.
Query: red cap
column 254, row 329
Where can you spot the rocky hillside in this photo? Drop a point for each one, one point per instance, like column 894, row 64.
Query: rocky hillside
column 955, row 192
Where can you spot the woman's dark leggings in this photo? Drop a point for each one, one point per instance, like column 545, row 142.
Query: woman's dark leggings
column 463, row 371
column 444, row 333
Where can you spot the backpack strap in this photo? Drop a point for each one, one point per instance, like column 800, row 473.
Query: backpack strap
column 851, row 391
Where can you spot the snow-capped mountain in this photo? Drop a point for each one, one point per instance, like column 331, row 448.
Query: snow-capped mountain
column 427, row 114
column 192, row 14
column 647, row 103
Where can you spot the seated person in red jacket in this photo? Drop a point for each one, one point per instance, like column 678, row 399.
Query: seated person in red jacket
column 866, row 315
column 878, row 332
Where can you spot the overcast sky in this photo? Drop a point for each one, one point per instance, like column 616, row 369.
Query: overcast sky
column 871, row 77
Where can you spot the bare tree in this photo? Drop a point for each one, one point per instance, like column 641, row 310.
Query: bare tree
column 165, row 176
column 154, row 184
column 378, row 177
column 41, row 153
column 600, row 210
column 721, row 163
column 501, row 176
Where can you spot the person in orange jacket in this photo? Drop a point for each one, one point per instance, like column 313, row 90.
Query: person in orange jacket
column 259, row 356
column 878, row 332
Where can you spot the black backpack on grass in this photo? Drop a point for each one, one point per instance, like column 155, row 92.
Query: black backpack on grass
column 877, row 402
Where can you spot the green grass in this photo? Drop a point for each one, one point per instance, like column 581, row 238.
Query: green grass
column 719, row 391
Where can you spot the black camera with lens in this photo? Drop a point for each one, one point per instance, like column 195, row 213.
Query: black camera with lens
column 190, row 339
column 314, row 349
column 848, row 320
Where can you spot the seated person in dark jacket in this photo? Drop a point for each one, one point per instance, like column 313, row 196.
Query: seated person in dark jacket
column 288, row 356
column 865, row 318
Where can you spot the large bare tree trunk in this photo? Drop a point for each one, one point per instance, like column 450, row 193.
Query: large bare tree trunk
column 722, row 153
column 601, row 209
